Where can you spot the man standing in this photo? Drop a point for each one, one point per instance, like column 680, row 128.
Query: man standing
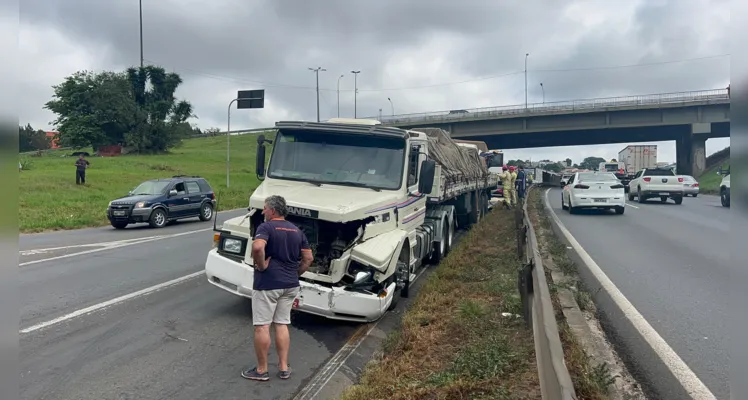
column 281, row 254
column 521, row 182
column 80, row 170
column 507, row 185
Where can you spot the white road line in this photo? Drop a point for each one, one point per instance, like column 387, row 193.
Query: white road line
column 687, row 378
column 631, row 205
column 114, row 245
column 111, row 302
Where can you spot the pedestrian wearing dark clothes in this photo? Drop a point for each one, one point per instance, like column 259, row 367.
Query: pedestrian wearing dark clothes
column 281, row 254
column 521, row 182
column 80, row 170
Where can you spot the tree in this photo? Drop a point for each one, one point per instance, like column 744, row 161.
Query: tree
column 31, row 140
column 97, row 109
column 591, row 163
column 516, row 163
column 553, row 167
column 568, row 162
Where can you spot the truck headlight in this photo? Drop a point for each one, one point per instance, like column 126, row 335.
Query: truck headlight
column 232, row 245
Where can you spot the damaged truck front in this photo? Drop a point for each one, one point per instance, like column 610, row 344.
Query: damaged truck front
column 360, row 192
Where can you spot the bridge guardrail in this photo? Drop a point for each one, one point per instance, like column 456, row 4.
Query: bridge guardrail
column 555, row 381
column 560, row 106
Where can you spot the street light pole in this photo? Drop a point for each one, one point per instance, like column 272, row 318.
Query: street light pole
column 392, row 105
column 339, row 94
column 355, row 91
column 228, row 141
column 543, row 89
column 316, row 71
column 140, row 2
column 526, row 55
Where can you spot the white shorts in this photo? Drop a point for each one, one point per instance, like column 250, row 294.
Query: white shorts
column 273, row 306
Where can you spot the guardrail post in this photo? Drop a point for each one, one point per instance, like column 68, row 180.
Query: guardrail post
column 524, row 285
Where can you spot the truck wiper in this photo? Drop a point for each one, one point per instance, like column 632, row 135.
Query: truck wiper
column 361, row 185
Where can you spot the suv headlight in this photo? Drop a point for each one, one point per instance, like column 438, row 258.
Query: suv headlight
column 232, row 245
column 140, row 204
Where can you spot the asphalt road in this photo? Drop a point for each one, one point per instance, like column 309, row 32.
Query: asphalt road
column 672, row 262
column 187, row 341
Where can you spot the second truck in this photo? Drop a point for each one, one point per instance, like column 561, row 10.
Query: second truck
column 376, row 203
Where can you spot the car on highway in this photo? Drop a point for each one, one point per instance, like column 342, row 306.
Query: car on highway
column 724, row 187
column 595, row 189
column 656, row 182
column 690, row 185
column 160, row 201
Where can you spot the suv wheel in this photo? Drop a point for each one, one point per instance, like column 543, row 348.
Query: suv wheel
column 206, row 212
column 158, row 218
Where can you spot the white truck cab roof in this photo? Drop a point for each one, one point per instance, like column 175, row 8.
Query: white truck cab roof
column 353, row 121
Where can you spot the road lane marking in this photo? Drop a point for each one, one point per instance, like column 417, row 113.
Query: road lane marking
column 631, row 205
column 687, row 378
column 110, row 246
column 111, row 302
column 320, row 380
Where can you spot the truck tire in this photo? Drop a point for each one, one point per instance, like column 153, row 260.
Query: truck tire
column 403, row 268
column 475, row 214
column 724, row 197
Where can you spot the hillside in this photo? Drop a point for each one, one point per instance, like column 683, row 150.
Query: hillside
column 709, row 181
column 50, row 199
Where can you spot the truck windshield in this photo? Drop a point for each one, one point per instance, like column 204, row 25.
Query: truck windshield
column 495, row 160
column 337, row 158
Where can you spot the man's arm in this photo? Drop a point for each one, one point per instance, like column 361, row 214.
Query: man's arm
column 306, row 255
column 258, row 247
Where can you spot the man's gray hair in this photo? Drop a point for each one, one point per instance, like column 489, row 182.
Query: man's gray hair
column 278, row 204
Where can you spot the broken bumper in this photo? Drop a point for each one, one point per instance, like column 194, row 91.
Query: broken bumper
column 329, row 302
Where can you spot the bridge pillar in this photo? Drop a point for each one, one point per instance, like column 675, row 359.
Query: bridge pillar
column 691, row 150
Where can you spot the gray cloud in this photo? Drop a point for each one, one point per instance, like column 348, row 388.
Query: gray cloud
column 225, row 45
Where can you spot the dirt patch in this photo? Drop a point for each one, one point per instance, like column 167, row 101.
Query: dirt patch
column 596, row 371
column 463, row 337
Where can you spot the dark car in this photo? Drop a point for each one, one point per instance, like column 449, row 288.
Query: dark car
column 159, row 201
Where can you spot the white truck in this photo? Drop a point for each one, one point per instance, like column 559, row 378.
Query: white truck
column 376, row 204
column 656, row 182
column 635, row 158
column 724, row 187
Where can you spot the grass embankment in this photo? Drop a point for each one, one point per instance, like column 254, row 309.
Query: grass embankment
column 709, row 181
column 592, row 380
column 49, row 198
column 454, row 342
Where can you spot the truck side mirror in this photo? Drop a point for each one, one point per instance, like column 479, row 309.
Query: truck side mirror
column 426, row 181
column 260, row 159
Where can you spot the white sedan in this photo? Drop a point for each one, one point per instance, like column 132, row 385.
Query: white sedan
column 596, row 189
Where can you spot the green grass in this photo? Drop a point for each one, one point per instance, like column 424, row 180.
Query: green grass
column 709, row 181
column 454, row 341
column 49, row 199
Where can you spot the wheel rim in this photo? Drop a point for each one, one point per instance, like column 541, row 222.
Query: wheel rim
column 451, row 232
column 207, row 211
column 443, row 244
column 160, row 218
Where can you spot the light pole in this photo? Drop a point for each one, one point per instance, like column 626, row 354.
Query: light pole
column 339, row 94
column 392, row 105
column 244, row 99
column 355, row 91
column 380, row 114
column 526, row 55
column 543, row 89
column 316, row 71
column 140, row 3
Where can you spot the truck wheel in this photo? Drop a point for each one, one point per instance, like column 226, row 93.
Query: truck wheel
column 440, row 248
column 724, row 198
column 403, row 270
column 476, row 213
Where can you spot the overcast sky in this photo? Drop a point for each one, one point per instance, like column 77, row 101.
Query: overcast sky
column 425, row 55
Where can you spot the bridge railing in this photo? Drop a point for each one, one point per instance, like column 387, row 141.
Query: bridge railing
column 560, row 106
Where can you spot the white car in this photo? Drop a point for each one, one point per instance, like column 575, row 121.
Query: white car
column 656, row 182
column 690, row 185
column 595, row 189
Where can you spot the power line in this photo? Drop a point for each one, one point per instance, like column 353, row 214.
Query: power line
column 504, row 75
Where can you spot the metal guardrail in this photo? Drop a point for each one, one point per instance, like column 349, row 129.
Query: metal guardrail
column 584, row 105
column 555, row 381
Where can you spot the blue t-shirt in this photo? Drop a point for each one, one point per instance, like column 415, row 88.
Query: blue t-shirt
column 285, row 242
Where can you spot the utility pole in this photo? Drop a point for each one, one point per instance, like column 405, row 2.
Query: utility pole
column 141, row 32
column 392, row 105
column 543, row 89
column 316, row 71
column 526, row 55
column 339, row 94
column 355, row 91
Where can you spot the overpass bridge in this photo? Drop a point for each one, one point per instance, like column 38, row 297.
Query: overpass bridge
column 689, row 118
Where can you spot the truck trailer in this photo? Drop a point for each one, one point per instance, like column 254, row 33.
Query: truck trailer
column 377, row 204
column 636, row 158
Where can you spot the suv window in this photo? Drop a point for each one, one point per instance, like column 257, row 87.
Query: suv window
column 179, row 187
column 658, row 172
column 193, row 187
column 204, row 186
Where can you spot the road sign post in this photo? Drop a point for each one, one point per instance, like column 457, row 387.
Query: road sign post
column 244, row 99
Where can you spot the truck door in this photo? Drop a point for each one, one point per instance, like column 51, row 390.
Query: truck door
column 412, row 212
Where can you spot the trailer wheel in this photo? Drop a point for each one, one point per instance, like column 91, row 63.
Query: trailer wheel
column 476, row 213
column 440, row 248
